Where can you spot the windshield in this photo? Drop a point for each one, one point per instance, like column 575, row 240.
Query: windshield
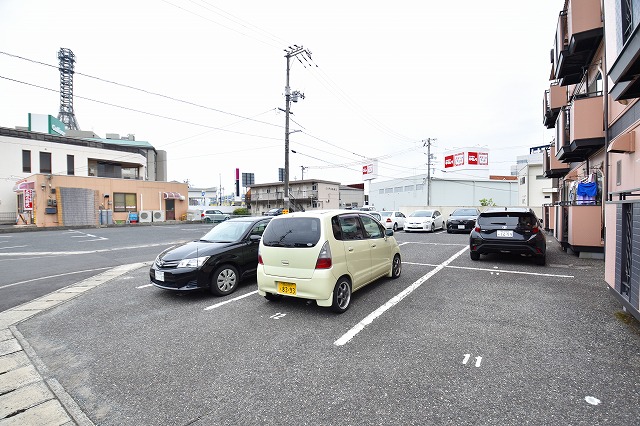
column 465, row 212
column 226, row 232
column 421, row 213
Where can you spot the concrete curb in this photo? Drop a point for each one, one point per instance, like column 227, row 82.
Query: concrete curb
column 28, row 395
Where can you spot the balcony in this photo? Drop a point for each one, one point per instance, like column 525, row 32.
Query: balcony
column 554, row 99
column 579, row 131
column 579, row 227
column 578, row 36
column 551, row 166
column 625, row 71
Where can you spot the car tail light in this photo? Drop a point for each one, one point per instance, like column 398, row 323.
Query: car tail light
column 535, row 230
column 324, row 258
column 477, row 228
column 388, row 219
column 201, row 214
column 260, row 258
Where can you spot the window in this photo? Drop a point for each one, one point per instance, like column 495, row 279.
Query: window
column 420, row 187
column 523, row 180
column 397, row 189
column 45, row 162
column 26, row 161
column 371, row 228
column 381, row 191
column 314, row 187
column 388, row 191
column 408, row 188
column 124, row 202
column 70, row 165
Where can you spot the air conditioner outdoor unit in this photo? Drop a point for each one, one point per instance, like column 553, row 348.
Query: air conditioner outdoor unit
column 158, row 215
column 145, row 216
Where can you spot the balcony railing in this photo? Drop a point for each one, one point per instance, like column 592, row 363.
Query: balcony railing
column 551, row 166
column 580, row 129
column 554, row 99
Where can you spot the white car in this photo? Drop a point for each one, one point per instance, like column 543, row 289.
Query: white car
column 393, row 219
column 424, row 220
column 325, row 255
column 214, row 215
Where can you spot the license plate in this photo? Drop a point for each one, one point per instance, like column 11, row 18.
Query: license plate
column 159, row 275
column 287, row 288
column 507, row 234
column 460, row 226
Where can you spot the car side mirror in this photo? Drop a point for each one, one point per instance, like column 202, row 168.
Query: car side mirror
column 388, row 232
column 255, row 238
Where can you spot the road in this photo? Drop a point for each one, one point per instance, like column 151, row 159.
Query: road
column 37, row 263
column 500, row 341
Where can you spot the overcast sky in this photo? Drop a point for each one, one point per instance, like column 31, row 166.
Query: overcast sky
column 382, row 78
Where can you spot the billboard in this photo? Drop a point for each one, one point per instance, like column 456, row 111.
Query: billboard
column 370, row 171
column 46, row 124
column 469, row 159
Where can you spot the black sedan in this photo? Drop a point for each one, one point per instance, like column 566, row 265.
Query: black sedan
column 462, row 220
column 508, row 230
column 218, row 261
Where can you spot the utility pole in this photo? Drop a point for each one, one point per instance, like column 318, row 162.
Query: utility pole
column 291, row 52
column 427, row 143
column 302, row 168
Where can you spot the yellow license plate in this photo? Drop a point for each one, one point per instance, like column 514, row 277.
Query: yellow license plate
column 287, row 288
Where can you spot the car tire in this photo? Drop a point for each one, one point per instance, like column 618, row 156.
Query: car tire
column 272, row 297
column 433, row 227
column 224, row 280
column 396, row 266
column 395, row 227
column 207, row 220
column 341, row 296
column 474, row 255
column 541, row 260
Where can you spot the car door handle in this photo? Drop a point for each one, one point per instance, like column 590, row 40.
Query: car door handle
column 373, row 245
column 350, row 249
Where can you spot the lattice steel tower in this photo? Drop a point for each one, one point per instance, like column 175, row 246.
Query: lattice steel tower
column 67, row 60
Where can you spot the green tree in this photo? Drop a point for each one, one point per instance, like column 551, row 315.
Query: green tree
column 484, row 202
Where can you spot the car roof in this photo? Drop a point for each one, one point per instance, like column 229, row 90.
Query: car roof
column 249, row 218
column 494, row 210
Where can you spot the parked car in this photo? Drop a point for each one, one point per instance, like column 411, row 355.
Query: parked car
column 325, row 256
column 366, row 208
column 218, row 261
column 393, row 219
column 508, row 230
column 376, row 215
column 424, row 220
column 462, row 220
column 212, row 215
column 275, row 212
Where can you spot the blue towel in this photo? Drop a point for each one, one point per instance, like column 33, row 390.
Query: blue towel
column 587, row 189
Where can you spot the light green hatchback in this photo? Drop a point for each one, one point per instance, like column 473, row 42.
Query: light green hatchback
column 325, row 255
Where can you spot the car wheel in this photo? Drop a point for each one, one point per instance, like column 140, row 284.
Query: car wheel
column 541, row 260
column 396, row 266
column 224, row 280
column 395, row 227
column 272, row 297
column 341, row 296
column 474, row 255
column 207, row 220
column 433, row 227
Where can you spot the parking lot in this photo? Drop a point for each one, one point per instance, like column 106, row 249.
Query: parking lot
column 452, row 341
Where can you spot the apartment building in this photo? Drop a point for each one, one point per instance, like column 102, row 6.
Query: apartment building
column 307, row 194
column 592, row 102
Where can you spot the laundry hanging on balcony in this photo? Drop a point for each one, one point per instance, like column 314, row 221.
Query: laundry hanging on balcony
column 586, row 193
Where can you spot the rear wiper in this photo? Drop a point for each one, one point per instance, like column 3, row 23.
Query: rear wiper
column 285, row 235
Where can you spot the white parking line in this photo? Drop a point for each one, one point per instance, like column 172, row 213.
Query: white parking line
column 10, row 247
column 208, row 308
column 144, row 286
column 538, row 274
column 54, row 276
column 393, row 301
column 63, row 253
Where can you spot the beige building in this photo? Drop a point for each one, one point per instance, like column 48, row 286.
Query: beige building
column 53, row 180
column 308, row 194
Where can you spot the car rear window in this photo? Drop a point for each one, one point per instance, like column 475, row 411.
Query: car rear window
column 465, row 212
column 292, row 232
column 513, row 219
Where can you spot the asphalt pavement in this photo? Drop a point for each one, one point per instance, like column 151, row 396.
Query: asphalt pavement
column 496, row 342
